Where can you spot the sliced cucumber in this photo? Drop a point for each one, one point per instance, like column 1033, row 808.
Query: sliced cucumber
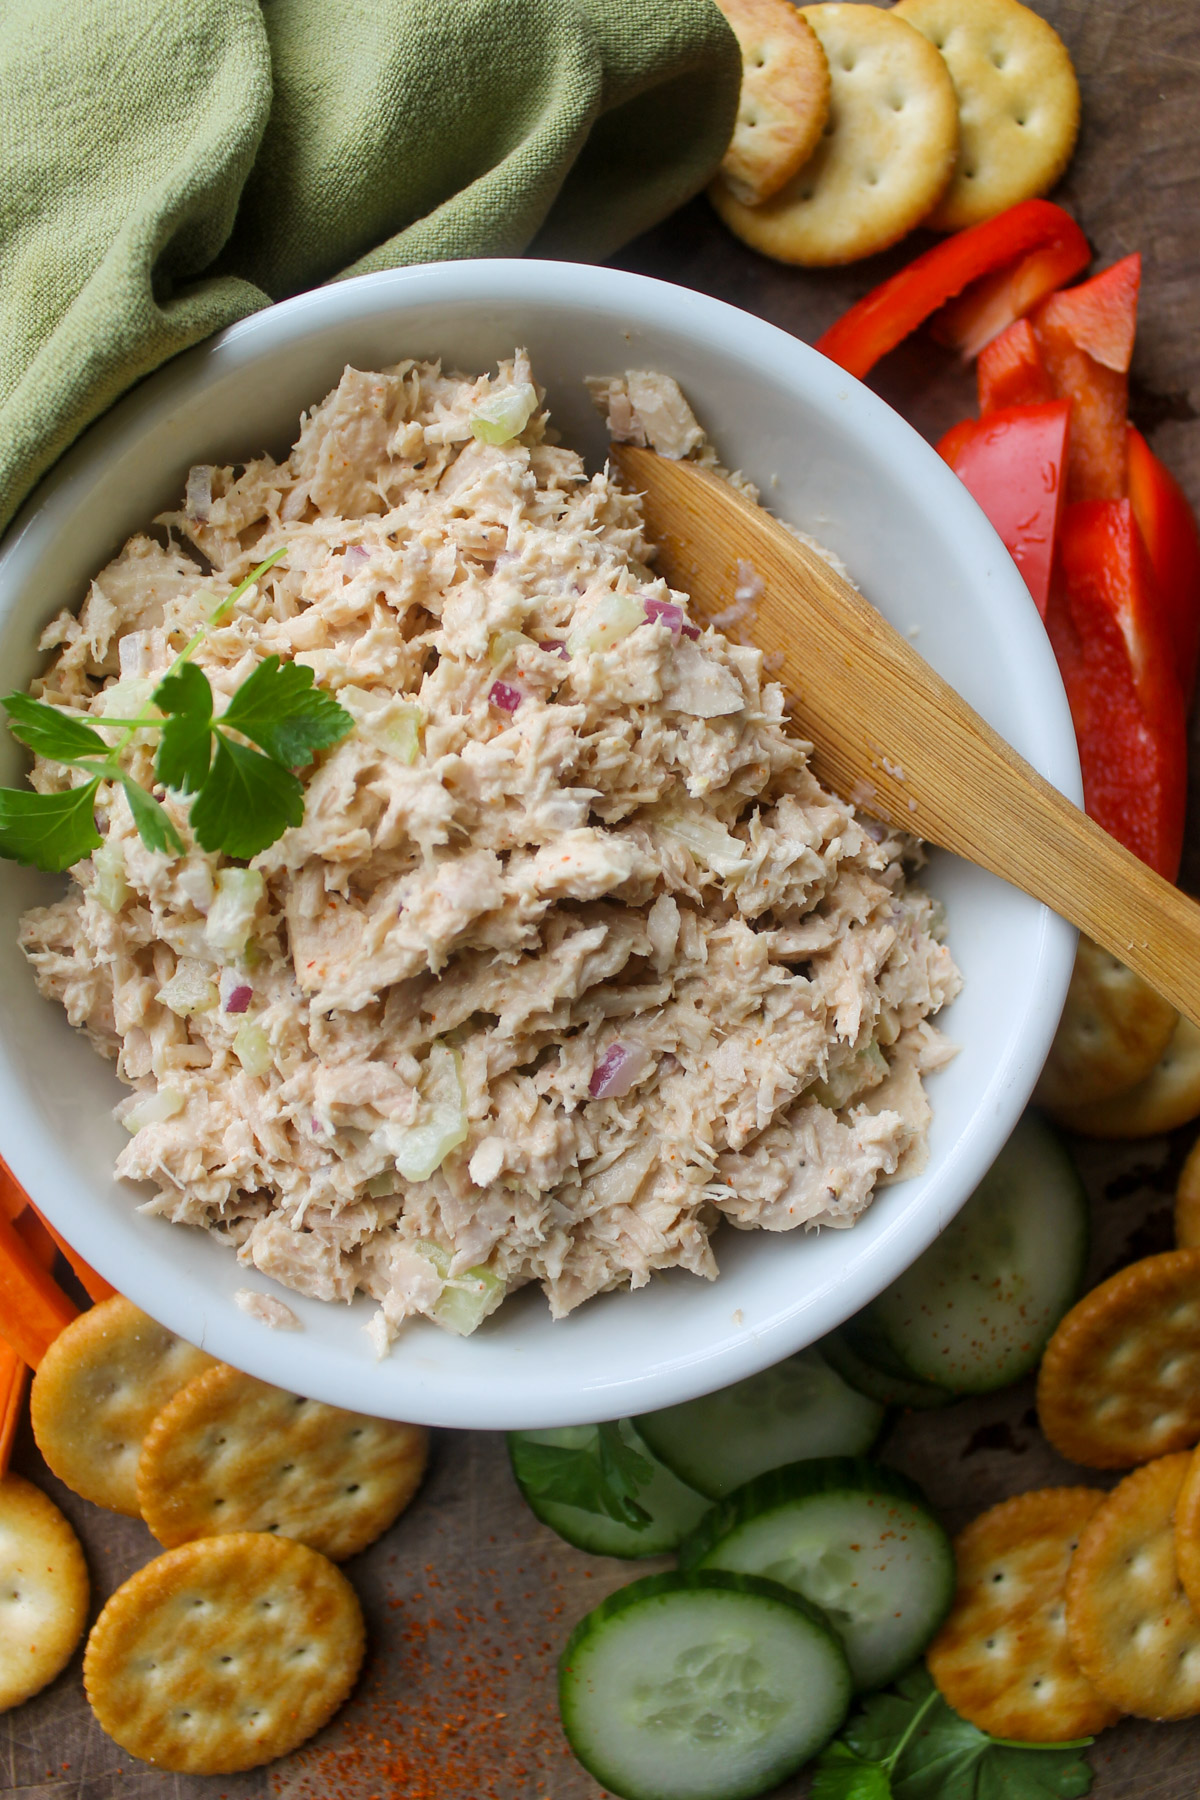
column 855, row 1538
column 800, row 1408
column 977, row 1309
column 673, row 1508
column 850, row 1356
column 705, row 1687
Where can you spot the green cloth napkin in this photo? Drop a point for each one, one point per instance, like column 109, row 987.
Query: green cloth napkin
column 169, row 166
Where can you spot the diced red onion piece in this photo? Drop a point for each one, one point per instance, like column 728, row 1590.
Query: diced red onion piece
column 505, row 697
column 236, row 992
column 359, row 552
column 664, row 612
column 556, row 647
column 619, row 1069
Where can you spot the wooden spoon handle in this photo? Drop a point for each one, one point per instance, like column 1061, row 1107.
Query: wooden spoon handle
column 1051, row 850
column 892, row 735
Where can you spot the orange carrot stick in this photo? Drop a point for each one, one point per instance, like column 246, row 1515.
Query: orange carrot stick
column 13, row 1197
column 13, row 1376
column 38, row 1241
column 33, row 1308
column 93, row 1285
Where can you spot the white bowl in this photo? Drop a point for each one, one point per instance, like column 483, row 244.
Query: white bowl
column 829, row 456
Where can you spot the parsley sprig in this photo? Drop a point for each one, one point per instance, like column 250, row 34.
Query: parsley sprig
column 909, row 1745
column 244, row 794
column 602, row 1475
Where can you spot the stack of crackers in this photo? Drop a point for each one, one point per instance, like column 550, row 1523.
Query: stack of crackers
column 243, row 1638
column 1124, row 1063
column 857, row 124
column 1076, row 1605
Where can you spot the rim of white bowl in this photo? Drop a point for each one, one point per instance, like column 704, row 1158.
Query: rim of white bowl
column 735, row 337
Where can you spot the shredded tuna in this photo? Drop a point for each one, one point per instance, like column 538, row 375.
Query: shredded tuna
column 567, row 821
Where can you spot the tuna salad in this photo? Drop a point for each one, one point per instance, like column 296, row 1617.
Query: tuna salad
column 570, row 958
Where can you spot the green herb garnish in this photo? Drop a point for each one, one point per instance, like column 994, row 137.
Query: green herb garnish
column 246, row 794
column 602, row 1475
column 909, row 1745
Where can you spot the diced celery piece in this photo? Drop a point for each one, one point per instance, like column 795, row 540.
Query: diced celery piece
column 434, row 1253
column 504, row 414
column 708, row 842
column 189, row 990
column 504, row 647
column 611, row 619
column 392, row 725
column 252, row 1047
column 110, row 887
column 467, row 1300
column 230, row 918
column 153, row 1109
column 382, row 1185
column 423, row 1148
column 128, row 698
column 864, row 1070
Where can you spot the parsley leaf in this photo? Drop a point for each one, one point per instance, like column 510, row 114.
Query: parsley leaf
column 50, row 733
column 185, row 750
column 280, row 710
column 601, row 1475
column 841, row 1775
column 244, row 798
column 51, row 831
column 247, row 801
column 942, row 1757
column 153, row 825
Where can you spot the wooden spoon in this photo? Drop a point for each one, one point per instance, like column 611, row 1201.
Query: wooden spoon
column 890, row 734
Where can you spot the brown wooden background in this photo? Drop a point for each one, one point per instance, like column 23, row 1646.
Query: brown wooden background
column 469, row 1599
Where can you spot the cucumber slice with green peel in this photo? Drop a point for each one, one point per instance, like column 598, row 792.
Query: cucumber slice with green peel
column 797, row 1409
column 976, row 1311
column 856, row 1539
column 705, row 1687
column 844, row 1352
column 672, row 1509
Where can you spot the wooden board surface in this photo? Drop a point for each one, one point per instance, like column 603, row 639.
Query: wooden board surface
column 469, row 1599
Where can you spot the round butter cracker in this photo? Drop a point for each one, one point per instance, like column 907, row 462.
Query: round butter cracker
column 1119, row 1381
column 1113, row 1030
column 1001, row 1658
column 1129, row 1623
column 224, row 1654
column 1187, row 1201
column 884, row 158
column 1168, row 1097
column 784, row 100
column 230, row 1453
column 95, row 1393
column 1018, row 103
column 43, row 1590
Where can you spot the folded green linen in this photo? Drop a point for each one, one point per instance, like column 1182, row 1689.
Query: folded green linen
column 169, row 166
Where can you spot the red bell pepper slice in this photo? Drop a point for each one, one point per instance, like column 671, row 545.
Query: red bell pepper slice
column 1168, row 526
column 1109, row 633
column 891, row 311
column 1071, row 327
column 1010, row 370
column 1013, row 463
column 969, row 323
column 1101, row 314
